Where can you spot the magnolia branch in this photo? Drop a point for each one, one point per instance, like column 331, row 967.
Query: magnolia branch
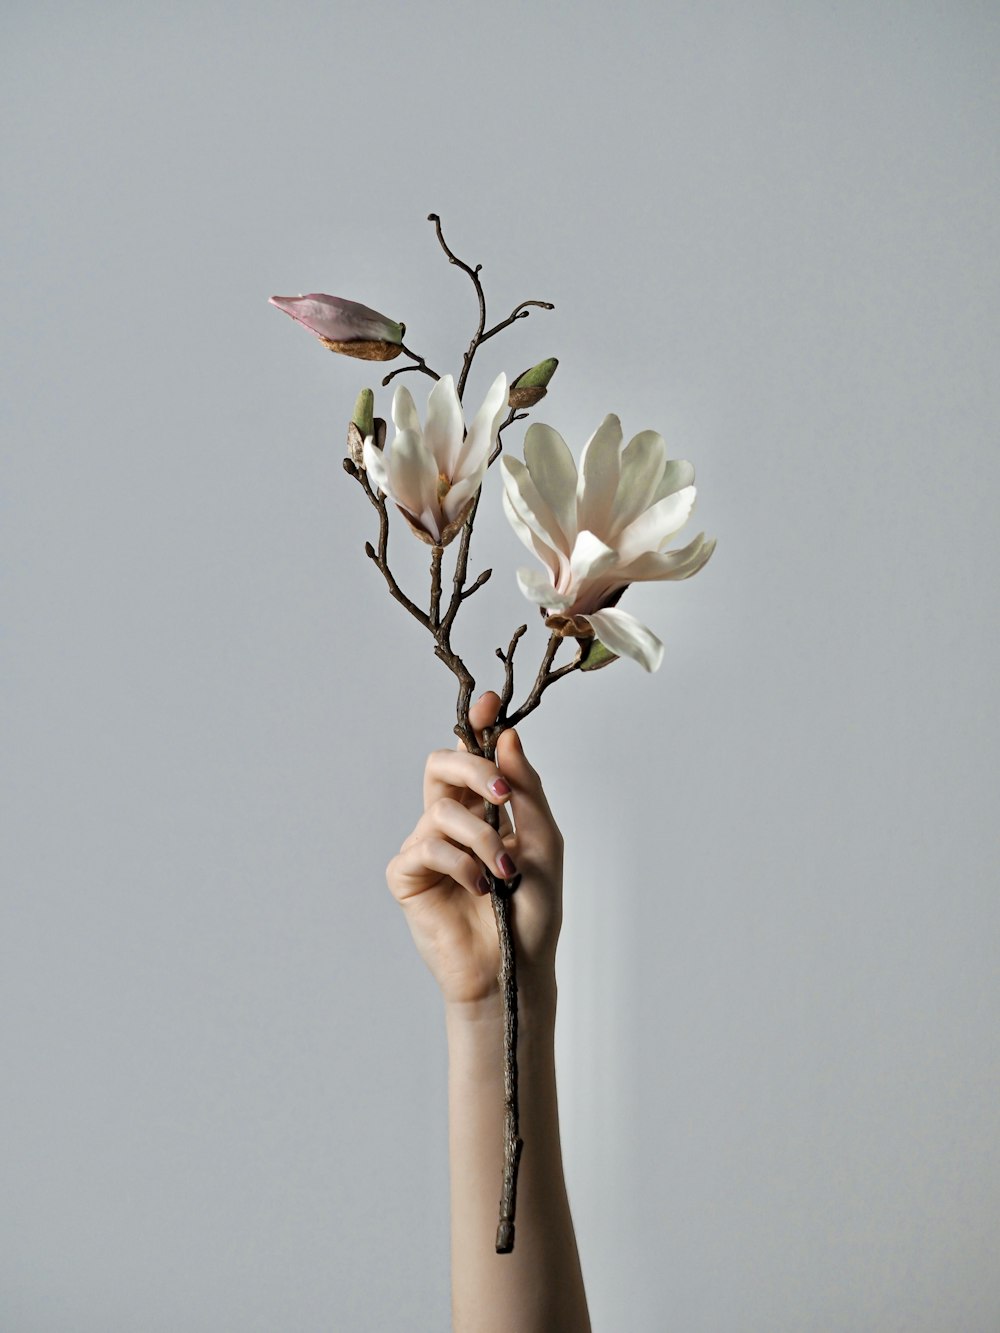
column 439, row 624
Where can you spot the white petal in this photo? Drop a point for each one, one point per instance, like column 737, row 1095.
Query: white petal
column 482, row 435
column 600, row 467
column 680, row 564
column 375, row 465
column 537, row 588
column 444, row 428
column 590, row 557
column 404, row 410
column 627, row 637
column 554, row 473
column 677, row 474
column 529, row 505
column 642, row 467
column 462, row 492
column 656, row 526
column 412, row 473
column 545, row 553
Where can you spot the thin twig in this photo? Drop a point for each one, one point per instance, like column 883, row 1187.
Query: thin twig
column 461, row 568
column 520, row 312
column 380, row 557
column 512, row 416
column 480, row 294
column 484, row 577
column 507, row 658
column 546, row 677
column 421, row 365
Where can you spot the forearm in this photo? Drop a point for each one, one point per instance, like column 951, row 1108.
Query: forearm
column 539, row 1287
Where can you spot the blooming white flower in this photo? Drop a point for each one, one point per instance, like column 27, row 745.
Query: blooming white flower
column 433, row 472
column 600, row 529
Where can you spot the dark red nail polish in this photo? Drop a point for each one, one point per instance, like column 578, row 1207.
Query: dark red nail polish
column 483, row 884
column 507, row 867
column 500, row 787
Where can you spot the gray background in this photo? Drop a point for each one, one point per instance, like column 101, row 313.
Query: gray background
column 770, row 232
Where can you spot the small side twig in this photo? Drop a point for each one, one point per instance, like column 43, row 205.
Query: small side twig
column 546, row 677
column 512, row 416
column 484, row 577
column 461, row 569
column 520, row 312
column 380, row 556
column 507, row 658
column 420, row 364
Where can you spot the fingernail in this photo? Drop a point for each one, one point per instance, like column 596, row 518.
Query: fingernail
column 483, row 884
column 507, row 867
column 499, row 787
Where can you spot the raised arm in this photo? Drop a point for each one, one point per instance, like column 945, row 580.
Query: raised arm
column 436, row 879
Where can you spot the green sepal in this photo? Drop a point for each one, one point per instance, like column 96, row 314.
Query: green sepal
column 599, row 656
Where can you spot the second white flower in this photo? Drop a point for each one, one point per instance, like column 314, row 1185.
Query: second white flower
column 434, row 471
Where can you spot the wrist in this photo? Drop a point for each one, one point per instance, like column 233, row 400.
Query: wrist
column 536, row 1005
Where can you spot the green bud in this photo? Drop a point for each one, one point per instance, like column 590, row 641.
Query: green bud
column 538, row 376
column 364, row 412
column 529, row 388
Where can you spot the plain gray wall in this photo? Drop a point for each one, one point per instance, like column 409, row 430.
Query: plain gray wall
column 770, row 232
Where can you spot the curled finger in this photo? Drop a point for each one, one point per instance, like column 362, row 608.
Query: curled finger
column 427, row 862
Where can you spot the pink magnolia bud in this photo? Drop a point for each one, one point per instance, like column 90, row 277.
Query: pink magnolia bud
column 345, row 326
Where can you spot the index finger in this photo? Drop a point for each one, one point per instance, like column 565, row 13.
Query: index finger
column 453, row 774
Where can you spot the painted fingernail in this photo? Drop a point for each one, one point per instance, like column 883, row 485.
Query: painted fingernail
column 499, row 787
column 507, row 867
column 483, row 884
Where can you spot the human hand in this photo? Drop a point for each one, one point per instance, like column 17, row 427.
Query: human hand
column 438, row 876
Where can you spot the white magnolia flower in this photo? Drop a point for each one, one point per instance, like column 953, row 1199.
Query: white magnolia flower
column 601, row 529
column 434, row 472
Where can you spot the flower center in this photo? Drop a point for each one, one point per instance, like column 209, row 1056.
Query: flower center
column 444, row 486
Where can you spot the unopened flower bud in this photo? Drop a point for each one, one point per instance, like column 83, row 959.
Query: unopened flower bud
column 345, row 326
column 364, row 426
column 364, row 412
column 531, row 387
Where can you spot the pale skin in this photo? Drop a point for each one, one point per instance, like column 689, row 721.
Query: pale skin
column 437, row 879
